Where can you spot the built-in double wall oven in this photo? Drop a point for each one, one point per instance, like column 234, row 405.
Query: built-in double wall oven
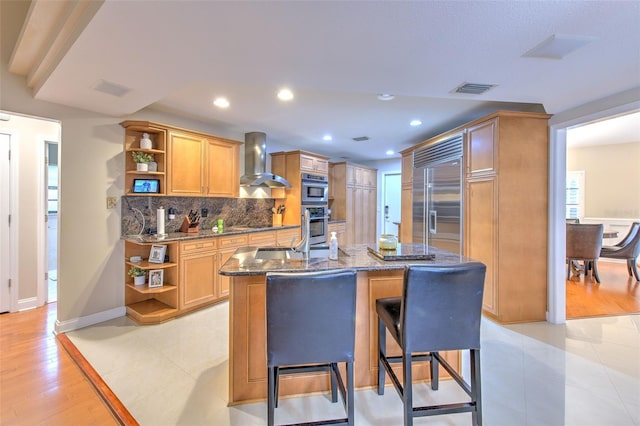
column 315, row 198
column 318, row 223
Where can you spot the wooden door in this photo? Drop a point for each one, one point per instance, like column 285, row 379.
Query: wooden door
column 482, row 235
column 186, row 168
column 198, row 279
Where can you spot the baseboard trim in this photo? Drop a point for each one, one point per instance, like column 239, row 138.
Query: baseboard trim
column 117, row 408
column 29, row 303
column 81, row 322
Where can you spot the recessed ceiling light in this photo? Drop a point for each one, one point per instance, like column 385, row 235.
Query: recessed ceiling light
column 285, row 95
column 385, row 96
column 558, row 46
column 415, row 123
column 327, row 138
column 221, row 103
column 390, row 152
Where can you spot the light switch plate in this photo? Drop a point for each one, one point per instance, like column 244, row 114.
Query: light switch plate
column 111, row 202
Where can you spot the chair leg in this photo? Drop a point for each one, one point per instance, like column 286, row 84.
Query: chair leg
column 276, row 376
column 334, row 386
column 435, row 373
column 350, row 394
column 632, row 266
column 569, row 263
column 476, row 388
column 271, row 392
column 594, row 271
column 382, row 353
column 407, row 396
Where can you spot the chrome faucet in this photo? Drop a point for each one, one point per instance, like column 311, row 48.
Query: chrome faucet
column 303, row 245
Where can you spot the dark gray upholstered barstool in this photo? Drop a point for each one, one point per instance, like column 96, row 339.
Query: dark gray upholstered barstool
column 311, row 327
column 440, row 310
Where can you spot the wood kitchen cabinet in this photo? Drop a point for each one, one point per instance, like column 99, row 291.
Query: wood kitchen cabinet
column 505, row 199
column 132, row 134
column 291, row 165
column 340, row 228
column 198, row 273
column 406, row 199
column 202, row 165
column 507, row 212
column 188, row 163
column 355, row 200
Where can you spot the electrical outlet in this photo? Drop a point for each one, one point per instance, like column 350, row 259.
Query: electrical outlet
column 205, row 212
column 111, row 202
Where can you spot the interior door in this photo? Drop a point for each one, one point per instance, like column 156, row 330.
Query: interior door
column 5, row 246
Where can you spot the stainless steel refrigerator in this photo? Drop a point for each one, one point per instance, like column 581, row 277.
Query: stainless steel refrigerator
column 437, row 195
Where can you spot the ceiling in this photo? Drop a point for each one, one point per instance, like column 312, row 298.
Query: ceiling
column 177, row 56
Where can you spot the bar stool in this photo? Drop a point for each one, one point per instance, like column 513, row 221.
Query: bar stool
column 440, row 310
column 311, row 327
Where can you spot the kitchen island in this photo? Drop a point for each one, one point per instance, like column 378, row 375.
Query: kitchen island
column 247, row 313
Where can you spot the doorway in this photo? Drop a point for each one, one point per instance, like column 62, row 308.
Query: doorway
column 51, row 193
column 391, row 190
column 557, row 200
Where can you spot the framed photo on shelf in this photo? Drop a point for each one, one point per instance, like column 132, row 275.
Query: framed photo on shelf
column 157, row 253
column 156, row 277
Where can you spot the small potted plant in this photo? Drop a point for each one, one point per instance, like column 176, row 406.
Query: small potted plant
column 142, row 160
column 138, row 275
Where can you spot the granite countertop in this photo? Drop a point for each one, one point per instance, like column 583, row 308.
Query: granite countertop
column 355, row 256
column 204, row 233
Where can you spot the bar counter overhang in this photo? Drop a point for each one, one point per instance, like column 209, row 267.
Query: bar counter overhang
column 247, row 313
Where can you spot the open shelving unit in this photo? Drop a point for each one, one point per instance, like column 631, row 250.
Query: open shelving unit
column 133, row 133
column 156, row 304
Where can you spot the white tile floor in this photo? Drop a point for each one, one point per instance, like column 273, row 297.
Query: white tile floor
column 586, row 372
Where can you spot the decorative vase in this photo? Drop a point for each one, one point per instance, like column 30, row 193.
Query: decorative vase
column 142, row 167
column 139, row 280
column 152, row 166
column 145, row 142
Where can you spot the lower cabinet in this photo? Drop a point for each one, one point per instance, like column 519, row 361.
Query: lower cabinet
column 198, row 278
column 190, row 277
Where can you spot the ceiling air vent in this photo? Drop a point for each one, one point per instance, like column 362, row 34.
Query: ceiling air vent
column 473, row 88
column 361, row 138
column 111, row 88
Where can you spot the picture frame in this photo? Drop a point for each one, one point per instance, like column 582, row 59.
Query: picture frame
column 156, row 278
column 156, row 255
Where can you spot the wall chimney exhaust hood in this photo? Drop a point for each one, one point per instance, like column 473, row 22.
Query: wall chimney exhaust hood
column 255, row 163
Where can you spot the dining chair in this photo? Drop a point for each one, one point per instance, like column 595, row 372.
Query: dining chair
column 439, row 310
column 584, row 242
column 311, row 327
column 627, row 249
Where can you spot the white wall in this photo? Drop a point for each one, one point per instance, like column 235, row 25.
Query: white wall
column 612, row 178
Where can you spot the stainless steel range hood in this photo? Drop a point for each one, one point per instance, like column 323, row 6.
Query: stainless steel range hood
column 255, row 163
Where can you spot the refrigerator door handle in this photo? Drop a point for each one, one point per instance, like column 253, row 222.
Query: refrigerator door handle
column 433, row 219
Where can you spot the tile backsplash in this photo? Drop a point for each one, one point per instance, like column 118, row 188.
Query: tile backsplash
column 255, row 212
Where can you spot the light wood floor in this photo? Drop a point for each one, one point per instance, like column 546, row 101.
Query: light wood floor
column 40, row 384
column 617, row 293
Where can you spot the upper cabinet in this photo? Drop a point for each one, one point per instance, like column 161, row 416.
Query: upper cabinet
column 314, row 163
column 188, row 163
column 202, row 165
column 133, row 134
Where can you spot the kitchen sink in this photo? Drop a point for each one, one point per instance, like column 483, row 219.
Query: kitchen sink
column 285, row 253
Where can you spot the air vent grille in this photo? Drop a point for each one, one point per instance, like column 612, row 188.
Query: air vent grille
column 361, row 138
column 438, row 152
column 473, row 88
